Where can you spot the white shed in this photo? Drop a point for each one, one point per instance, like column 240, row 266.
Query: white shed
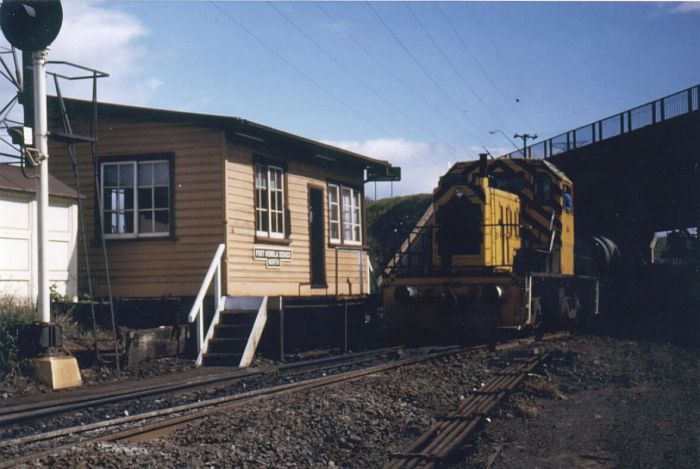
column 18, row 236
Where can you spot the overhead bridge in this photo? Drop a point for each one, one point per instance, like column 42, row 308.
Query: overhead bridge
column 635, row 172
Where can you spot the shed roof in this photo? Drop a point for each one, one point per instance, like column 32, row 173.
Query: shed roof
column 12, row 179
column 236, row 125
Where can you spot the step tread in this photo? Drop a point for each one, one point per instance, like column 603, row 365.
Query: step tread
column 222, row 354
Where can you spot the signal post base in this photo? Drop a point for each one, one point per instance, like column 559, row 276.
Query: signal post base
column 58, row 372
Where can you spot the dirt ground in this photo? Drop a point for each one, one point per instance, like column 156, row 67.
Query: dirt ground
column 602, row 402
column 599, row 402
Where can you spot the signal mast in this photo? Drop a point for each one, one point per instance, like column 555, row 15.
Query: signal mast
column 31, row 26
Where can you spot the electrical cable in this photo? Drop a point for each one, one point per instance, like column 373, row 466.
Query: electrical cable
column 478, row 63
column 454, row 68
column 354, row 75
column 301, row 72
column 388, row 70
column 425, row 72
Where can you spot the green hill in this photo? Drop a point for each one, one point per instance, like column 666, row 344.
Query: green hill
column 389, row 221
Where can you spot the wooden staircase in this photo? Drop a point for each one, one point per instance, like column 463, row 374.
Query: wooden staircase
column 237, row 332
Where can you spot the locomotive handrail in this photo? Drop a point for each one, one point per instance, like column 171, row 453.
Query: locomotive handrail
column 653, row 112
column 406, row 245
column 197, row 310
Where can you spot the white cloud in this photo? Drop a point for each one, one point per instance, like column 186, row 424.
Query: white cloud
column 686, row 7
column 97, row 35
column 421, row 163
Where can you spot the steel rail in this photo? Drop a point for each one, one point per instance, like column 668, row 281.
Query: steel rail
column 23, row 412
column 223, row 404
column 446, row 435
column 218, row 405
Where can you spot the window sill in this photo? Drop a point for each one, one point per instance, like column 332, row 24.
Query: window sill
column 364, row 247
column 277, row 241
column 97, row 241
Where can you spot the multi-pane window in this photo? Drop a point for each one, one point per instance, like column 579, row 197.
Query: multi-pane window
column 345, row 217
column 269, row 201
column 334, row 212
column 154, row 198
column 135, row 199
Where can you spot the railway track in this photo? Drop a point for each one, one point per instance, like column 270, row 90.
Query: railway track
column 150, row 425
column 439, row 442
column 24, row 412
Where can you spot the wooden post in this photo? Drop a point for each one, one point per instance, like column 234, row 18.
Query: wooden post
column 281, row 330
column 345, row 326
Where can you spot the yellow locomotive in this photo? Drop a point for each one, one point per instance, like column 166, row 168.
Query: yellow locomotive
column 494, row 250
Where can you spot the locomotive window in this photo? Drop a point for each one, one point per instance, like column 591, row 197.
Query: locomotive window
column 459, row 228
column 511, row 182
column 568, row 200
column 543, row 188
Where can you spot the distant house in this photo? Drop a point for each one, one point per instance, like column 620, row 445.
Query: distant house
column 18, row 236
column 289, row 210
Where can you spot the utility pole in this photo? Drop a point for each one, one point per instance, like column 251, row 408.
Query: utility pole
column 525, row 138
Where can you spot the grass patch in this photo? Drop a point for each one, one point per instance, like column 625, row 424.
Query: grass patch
column 14, row 315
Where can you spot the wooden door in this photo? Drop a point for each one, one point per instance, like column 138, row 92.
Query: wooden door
column 316, row 237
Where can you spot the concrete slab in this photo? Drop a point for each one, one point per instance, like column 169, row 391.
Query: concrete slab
column 58, row 372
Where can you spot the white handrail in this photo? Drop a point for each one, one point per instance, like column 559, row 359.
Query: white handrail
column 197, row 311
column 255, row 335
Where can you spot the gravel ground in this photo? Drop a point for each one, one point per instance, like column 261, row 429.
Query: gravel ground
column 20, row 385
column 600, row 402
column 158, row 401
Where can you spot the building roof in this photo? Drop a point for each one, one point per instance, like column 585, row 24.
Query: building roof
column 12, row 179
column 245, row 129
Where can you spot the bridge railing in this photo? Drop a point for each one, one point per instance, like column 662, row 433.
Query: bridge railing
column 659, row 110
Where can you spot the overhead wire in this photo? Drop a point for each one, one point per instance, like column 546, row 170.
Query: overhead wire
column 388, row 70
column 478, row 63
column 425, row 71
column 353, row 74
column 473, row 15
column 454, row 68
column 300, row 71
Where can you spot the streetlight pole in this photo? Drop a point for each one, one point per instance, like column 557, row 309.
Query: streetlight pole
column 499, row 131
column 525, row 138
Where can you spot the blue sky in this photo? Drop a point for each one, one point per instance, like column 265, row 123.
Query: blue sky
column 418, row 83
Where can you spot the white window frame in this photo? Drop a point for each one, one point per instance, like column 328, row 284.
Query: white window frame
column 153, row 209
column 135, row 210
column 268, row 168
column 355, row 208
column 334, row 206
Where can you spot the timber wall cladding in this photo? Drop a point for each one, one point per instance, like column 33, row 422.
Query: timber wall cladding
column 249, row 277
column 156, row 267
